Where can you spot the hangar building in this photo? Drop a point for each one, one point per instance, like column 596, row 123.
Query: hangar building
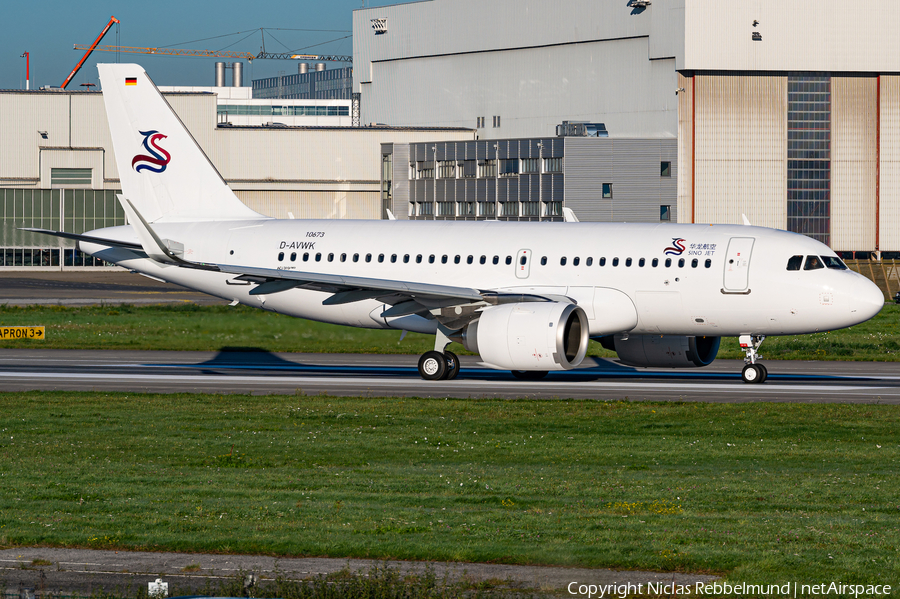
column 788, row 112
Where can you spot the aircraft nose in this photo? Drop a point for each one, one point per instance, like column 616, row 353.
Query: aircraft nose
column 866, row 299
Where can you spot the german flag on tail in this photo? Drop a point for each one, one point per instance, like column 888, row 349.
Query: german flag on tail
column 130, row 80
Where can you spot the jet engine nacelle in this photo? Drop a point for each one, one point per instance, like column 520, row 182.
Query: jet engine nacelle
column 664, row 351
column 529, row 336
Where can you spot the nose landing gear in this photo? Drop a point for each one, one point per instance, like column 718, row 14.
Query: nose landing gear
column 753, row 371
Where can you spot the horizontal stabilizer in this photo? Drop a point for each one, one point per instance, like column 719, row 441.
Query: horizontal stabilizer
column 86, row 238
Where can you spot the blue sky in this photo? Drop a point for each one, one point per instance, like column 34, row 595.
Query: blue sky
column 49, row 29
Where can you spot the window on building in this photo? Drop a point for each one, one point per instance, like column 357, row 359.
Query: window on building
column 426, row 208
column 425, row 170
column 552, row 165
column 66, row 177
column 509, row 167
column 607, row 190
column 531, row 208
column 487, row 169
column 531, row 165
column 469, row 169
column 465, row 208
column 447, row 169
column 509, row 209
column 479, row 122
column 446, row 208
column 553, row 208
column 665, row 213
column 487, row 209
column 496, row 121
column 665, row 169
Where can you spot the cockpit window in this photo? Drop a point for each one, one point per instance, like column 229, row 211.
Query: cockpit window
column 795, row 262
column 813, row 263
column 834, row 262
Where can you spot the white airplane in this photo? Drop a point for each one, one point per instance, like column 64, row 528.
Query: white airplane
column 526, row 297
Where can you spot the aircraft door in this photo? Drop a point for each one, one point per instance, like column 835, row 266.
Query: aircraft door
column 737, row 264
column 523, row 264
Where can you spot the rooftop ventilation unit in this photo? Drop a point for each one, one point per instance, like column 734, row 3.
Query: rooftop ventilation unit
column 581, row 129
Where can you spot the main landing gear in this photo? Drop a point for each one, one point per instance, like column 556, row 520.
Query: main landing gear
column 436, row 366
column 753, row 371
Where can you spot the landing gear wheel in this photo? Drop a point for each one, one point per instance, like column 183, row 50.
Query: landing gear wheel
column 432, row 366
column 765, row 372
column 452, row 365
column 754, row 373
column 529, row 375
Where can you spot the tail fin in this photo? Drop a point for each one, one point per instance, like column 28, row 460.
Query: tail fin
column 162, row 168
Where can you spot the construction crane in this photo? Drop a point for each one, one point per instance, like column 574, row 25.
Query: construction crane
column 212, row 53
column 88, row 53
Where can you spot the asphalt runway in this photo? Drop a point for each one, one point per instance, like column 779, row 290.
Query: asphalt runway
column 396, row 375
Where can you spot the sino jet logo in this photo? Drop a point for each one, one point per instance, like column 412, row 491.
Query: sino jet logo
column 158, row 159
column 678, row 247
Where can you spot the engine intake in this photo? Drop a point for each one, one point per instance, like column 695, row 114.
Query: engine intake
column 663, row 351
column 529, row 336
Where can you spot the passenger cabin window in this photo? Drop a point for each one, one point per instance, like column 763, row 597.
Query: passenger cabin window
column 694, row 263
column 641, row 262
column 343, row 257
column 293, row 256
column 318, row 256
column 419, row 259
column 444, row 259
column 834, row 262
column 470, row 259
column 405, row 258
column 523, row 260
column 393, row 258
column 456, row 259
column 615, row 261
column 483, row 260
column 381, row 257
column 356, row 257
column 602, row 262
column 655, row 262
column 508, row 260
column 627, row 261
column 681, row 263
column 813, row 263
column 431, row 259
column 794, row 262
column 708, row 262
column 543, row 260
column 306, row 256
column 280, row 256
column 331, row 257
column 562, row 261
column 368, row 257
column 668, row 262
column 588, row 261
column 496, row 260
column 575, row 261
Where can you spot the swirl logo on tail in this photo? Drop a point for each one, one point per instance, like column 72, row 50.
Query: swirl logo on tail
column 678, row 248
column 158, row 159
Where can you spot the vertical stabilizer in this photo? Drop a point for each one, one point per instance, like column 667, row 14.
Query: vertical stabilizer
column 164, row 172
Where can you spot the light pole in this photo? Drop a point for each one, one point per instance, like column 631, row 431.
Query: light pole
column 496, row 181
column 540, row 146
column 434, row 191
column 27, row 58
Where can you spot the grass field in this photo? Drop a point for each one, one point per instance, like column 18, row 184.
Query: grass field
column 758, row 492
column 211, row 328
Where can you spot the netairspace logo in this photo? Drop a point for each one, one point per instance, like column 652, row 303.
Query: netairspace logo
column 719, row 589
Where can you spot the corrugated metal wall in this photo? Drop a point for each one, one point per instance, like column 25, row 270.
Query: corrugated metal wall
column 741, row 150
column 314, row 204
column 400, row 186
column 853, row 156
column 632, row 166
column 889, row 222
